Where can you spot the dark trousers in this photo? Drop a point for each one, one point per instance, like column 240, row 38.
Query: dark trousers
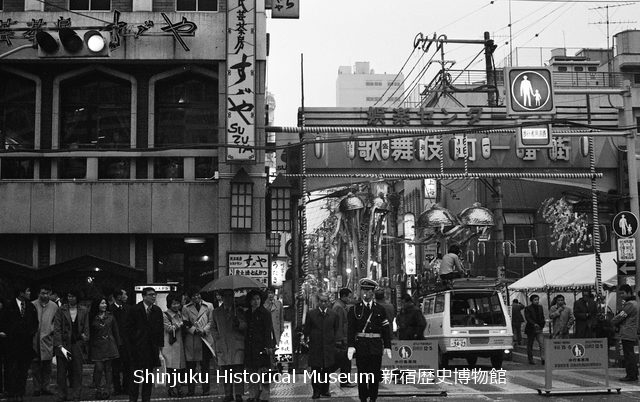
column 630, row 363
column 321, row 380
column 41, row 372
column 70, row 370
column 517, row 332
column 134, row 388
column 121, row 369
column 204, row 369
column 538, row 337
column 368, row 364
column 343, row 364
column 18, row 361
column 3, row 369
column 230, row 385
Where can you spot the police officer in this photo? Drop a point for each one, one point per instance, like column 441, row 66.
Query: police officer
column 368, row 335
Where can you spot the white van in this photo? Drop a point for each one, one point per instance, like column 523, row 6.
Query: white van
column 469, row 321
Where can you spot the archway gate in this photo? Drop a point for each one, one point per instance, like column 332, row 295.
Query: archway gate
column 342, row 146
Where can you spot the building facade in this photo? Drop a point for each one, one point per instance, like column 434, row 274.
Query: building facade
column 132, row 155
column 362, row 87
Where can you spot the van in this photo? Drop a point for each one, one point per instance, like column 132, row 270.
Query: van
column 470, row 320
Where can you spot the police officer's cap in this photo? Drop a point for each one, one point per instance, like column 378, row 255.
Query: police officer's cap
column 368, row 284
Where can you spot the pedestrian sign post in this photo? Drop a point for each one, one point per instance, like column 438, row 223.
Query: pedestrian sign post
column 530, row 91
column 627, row 251
column 625, row 224
column 576, row 354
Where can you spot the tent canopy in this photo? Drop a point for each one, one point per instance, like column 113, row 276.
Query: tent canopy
column 571, row 273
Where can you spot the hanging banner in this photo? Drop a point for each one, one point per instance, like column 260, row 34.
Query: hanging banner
column 285, row 9
column 240, row 94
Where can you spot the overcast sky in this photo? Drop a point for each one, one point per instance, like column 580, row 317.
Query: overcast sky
column 333, row 33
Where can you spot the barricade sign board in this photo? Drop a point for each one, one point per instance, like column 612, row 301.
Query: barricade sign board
column 412, row 355
column 576, row 354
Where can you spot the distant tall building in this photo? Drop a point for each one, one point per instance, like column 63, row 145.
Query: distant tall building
column 362, row 87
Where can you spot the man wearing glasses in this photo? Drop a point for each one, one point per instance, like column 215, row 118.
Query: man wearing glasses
column 144, row 327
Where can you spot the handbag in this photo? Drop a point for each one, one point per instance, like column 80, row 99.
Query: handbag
column 172, row 334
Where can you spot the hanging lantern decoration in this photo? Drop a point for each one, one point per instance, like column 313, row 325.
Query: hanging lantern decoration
column 481, row 248
column 533, row 247
column 471, row 256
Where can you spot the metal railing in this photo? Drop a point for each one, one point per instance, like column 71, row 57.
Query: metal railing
column 560, row 79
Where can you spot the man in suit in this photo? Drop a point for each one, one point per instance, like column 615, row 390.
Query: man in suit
column 22, row 320
column 586, row 312
column 369, row 336
column 145, row 329
column 70, row 333
column 321, row 327
column 340, row 307
column 121, row 366
column 534, row 316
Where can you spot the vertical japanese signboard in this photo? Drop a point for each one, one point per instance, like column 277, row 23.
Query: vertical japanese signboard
column 241, row 64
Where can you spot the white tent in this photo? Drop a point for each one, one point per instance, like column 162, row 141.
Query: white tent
column 569, row 274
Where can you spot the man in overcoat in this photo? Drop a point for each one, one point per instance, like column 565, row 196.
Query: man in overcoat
column 198, row 340
column 369, row 337
column 585, row 310
column 121, row 366
column 341, row 306
column 43, row 341
column 71, row 332
column 22, row 319
column 145, row 329
column 321, row 327
column 534, row 317
column 228, row 326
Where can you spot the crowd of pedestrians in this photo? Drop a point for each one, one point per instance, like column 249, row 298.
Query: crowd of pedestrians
column 584, row 319
column 119, row 338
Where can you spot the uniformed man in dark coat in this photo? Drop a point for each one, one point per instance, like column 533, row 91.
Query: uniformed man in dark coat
column 369, row 336
column 321, row 327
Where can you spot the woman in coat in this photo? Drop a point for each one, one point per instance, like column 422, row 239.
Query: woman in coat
column 259, row 344
column 173, row 350
column 228, row 326
column 103, row 345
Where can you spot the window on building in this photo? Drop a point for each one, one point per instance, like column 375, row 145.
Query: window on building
column 206, row 168
column 168, row 168
column 16, row 168
column 93, row 5
column 72, row 168
column 373, row 83
column 190, row 264
column 562, row 69
column 197, row 5
column 241, row 205
column 17, row 112
column 578, row 68
column 186, row 110
column 373, row 98
column 95, row 112
column 518, row 236
column 113, row 168
column 592, row 69
column 636, row 78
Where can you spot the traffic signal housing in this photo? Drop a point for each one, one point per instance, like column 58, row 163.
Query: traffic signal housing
column 71, row 43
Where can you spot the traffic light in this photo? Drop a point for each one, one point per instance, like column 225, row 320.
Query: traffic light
column 70, row 43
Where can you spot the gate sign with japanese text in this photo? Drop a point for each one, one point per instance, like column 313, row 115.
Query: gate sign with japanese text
column 625, row 224
column 253, row 265
column 412, row 355
column 240, row 94
column 530, row 91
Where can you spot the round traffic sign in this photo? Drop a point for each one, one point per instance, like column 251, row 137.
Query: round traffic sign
column 625, row 224
column 530, row 91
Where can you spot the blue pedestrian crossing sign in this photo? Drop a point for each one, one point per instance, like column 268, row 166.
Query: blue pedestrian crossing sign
column 625, row 224
column 530, row 91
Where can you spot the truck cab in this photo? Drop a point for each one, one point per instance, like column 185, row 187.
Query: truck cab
column 470, row 320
